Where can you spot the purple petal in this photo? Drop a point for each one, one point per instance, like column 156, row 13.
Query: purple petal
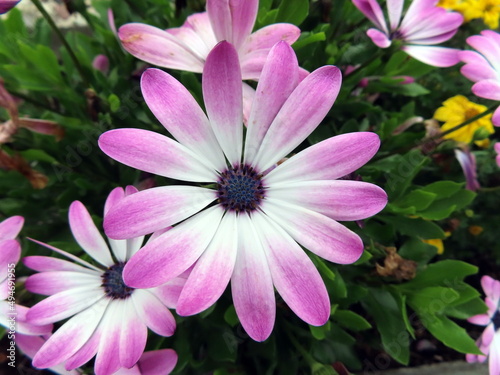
column 441, row 57
column 133, row 335
column 158, row 47
column 379, row 38
column 488, row 89
column 252, row 64
column 327, row 160
column 495, row 119
column 267, row 37
column 371, row 9
column 222, row 92
column 317, row 233
column 338, row 199
column 86, row 352
column 43, row 264
column 476, row 67
column 158, row 362
column 153, row 313
column 154, row 209
column 10, row 252
column 87, row 235
column 212, row 271
column 294, row 275
column 6, row 5
column 200, row 23
column 243, row 16
column 480, row 320
column 394, row 9
column 251, row 283
column 416, row 12
column 169, row 293
column 491, row 288
column 191, row 38
column 248, row 97
column 434, row 22
column 70, row 337
column 301, row 113
column 48, row 283
column 10, row 227
column 177, row 110
column 118, row 247
column 26, row 328
column 219, row 14
column 154, row 153
column 488, row 46
column 173, row 252
column 279, row 78
column 468, row 163
column 107, row 360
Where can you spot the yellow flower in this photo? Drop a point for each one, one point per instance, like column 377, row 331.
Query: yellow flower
column 488, row 10
column 437, row 243
column 457, row 5
column 458, row 109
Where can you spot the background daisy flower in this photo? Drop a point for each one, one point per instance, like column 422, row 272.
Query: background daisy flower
column 249, row 228
column 108, row 318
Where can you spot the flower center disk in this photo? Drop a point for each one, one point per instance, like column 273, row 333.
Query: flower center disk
column 240, row 189
column 112, row 282
column 496, row 320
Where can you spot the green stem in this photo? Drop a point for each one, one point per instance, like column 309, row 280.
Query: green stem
column 489, row 189
column 465, row 123
column 310, row 360
column 34, row 102
column 54, row 27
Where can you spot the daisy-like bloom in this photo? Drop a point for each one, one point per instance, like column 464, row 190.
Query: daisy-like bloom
column 246, row 228
column 107, row 317
column 187, row 47
column 459, row 109
column 488, row 10
column 489, row 342
column 467, row 161
column 423, row 25
column 13, row 316
column 6, row 5
column 483, row 67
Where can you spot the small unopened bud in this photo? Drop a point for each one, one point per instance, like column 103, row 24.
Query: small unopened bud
column 101, row 63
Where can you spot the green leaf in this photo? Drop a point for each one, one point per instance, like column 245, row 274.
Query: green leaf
column 38, row 155
column 322, row 267
column 231, row 317
column 312, row 38
column 414, row 227
column 475, row 306
column 351, row 320
column 443, row 189
column 445, row 273
column 293, row 11
column 417, row 250
column 319, row 333
column 433, row 299
column 114, row 103
column 417, row 200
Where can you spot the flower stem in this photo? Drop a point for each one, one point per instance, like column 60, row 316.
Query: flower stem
column 465, row 123
column 54, row 27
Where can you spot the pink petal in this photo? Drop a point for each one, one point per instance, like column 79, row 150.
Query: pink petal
column 158, row 362
column 154, row 209
column 416, row 12
column 64, row 304
column 434, row 39
column 219, row 14
column 26, row 328
column 491, row 288
column 43, row 264
column 301, row 113
column 169, row 292
column 7, row 5
column 441, row 57
column 155, row 153
column 476, row 67
column 327, row 160
column 243, row 16
column 10, row 252
column 394, row 9
column 248, row 97
column 251, row 283
column 317, row 233
column 177, row 110
column 200, row 23
column 434, row 22
column 86, row 352
column 153, row 313
column 494, row 357
column 268, row 36
column 222, row 93
column 480, row 320
column 488, row 89
column 158, row 47
column 279, row 78
column 495, row 119
column 70, row 337
column 118, row 247
column 107, row 360
column 192, row 39
column 252, row 64
column 133, row 335
column 173, row 252
column 294, row 275
column 371, row 9
column 488, row 47
column 87, row 235
column 379, row 38
column 338, row 199
column 48, row 283
column 212, row 271
column 10, row 227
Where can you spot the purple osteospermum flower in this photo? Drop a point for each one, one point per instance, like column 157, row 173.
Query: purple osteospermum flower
column 483, row 67
column 423, row 25
column 12, row 314
column 249, row 235
column 467, row 161
column 6, row 5
column 489, row 342
column 108, row 317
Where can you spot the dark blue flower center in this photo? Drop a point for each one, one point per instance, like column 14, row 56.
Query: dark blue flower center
column 112, row 282
column 496, row 320
column 240, row 189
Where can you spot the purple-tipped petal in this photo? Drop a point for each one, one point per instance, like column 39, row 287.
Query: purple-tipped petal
column 327, row 160
column 416, row 12
column 251, row 283
column 6, row 5
column 212, row 271
column 153, row 313
column 52, row 282
column 495, row 119
column 133, row 335
column 158, row 362
column 10, row 227
column 153, row 209
column 70, row 337
column 87, row 235
column 243, row 16
column 118, row 247
column 301, row 113
column 434, row 22
column 371, row 9
column 441, row 57
column 169, row 293
column 317, row 233
column 252, row 64
column 338, row 199
column 158, row 47
column 44, row 264
column 177, row 110
column 488, row 46
column 219, row 14
column 467, row 161
column 200, row 23
column 476, row 67
column 155, row 153
column 107, row 360
column 294, row 275
column 394, row 10
column 192, row 39
column 24, row 327
column 86, row 352
column 248, row 97
column 491, row 288
column 267, row 37
column 222, row 93
column 173, row 252
column 10, row 252
column 279, row 78
column 379, row 38
column 480, row 320
column 487, row 88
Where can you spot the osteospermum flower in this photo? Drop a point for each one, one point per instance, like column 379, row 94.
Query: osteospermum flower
column 459, row 109
column 483, row 67
column 467, row 161
column 249, row 226
column 6, row 5
column 489, row 342
column 108, row 317
column 12, row 315
column 423, row 25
